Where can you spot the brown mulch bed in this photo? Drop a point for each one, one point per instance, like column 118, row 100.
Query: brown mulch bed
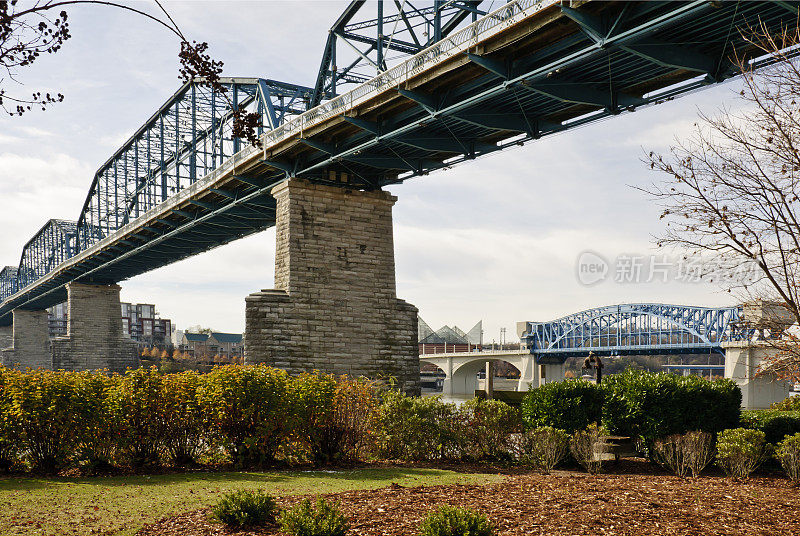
column 563, row 503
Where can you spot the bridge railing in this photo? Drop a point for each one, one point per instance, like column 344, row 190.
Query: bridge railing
column 457, row 43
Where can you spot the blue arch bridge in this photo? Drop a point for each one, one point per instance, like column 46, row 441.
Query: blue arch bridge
column 401, row 91
column 636, row 329
column 613, row 330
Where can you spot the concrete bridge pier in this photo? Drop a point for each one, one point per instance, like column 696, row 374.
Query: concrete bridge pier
column 30, row 342
column 744, row 364
column 334, row 307
column 94, row 332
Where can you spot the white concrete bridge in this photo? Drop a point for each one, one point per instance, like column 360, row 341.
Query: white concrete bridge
column 461, row 369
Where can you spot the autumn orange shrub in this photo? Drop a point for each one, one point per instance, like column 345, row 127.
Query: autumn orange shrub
column 333, row 416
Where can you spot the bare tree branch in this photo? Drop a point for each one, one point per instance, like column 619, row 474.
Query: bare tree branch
column 26, row 34
column 732, row 189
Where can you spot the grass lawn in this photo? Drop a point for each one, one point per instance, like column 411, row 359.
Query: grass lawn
column 121, row 505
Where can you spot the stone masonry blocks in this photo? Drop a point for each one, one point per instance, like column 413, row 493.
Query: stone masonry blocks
column 31, row 344
column 6, row 337
column 94, row 332
column 335, row 307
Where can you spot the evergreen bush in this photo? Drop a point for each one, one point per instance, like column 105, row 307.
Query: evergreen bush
column 246, row 508
column 569, row 405
column 776, row 424
column 788, row 453
column 740, row 451
column 650, row 406
column 321, row 519
column 455, row 521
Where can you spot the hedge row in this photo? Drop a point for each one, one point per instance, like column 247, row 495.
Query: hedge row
column 426, row 428
column 636, row 404
column 775, row 424
column 246, row 415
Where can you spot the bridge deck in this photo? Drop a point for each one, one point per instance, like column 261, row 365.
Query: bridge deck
column 526, row 70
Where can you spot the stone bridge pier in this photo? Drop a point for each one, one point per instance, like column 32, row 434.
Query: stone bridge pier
column 30, row 344
column 334, row 307
column 94, row 332
column 94, row 335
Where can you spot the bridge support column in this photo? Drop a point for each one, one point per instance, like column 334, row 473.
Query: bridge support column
column 743, row 362
column 335, row 307
column 528, row 373
column 94, row 332
column 31, row 342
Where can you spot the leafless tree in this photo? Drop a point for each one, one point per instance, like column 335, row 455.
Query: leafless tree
column 41, row 27
column 733, row 188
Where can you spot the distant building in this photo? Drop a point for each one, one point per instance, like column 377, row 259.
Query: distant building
column 447, row 339
column 212, row 344
column 140, row 322
column 177, row 337
column 226, row 344
column 195, row 344
column 57, row 320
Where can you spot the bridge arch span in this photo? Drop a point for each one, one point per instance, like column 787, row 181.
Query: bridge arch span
column 461, row 369
column 634, row 327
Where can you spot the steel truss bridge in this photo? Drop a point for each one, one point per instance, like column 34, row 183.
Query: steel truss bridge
column 402, row 90
column 636, row 329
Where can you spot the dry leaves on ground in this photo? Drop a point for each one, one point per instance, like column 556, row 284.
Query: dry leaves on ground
column 559, row 504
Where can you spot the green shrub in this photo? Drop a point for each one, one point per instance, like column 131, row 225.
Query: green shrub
column 775, row 424
column 136, row 404
column 454, row 521
column 185, row 426
column 322, row 519
column 489, row 425
column 740, row 451
column 543, row 447
column 650, row 406
column 421, row 428
column 334, row 416
column 54, row 413
column 788, row 453
column 246, row 508
column 791, row 403
column 249, row 410
column 567, row 405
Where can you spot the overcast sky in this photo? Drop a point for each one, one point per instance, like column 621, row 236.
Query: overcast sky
column 496, row 239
